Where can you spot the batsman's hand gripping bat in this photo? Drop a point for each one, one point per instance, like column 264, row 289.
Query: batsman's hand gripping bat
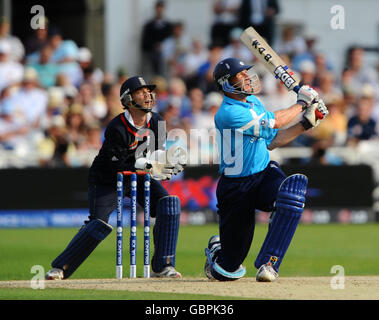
column 268, row 57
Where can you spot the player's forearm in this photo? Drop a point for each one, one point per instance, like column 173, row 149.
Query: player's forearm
column 285, row 136
column 285, row 116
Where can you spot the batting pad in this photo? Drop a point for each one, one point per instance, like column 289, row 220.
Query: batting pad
column 286, row 216
column 81, row 246
column 166, row 231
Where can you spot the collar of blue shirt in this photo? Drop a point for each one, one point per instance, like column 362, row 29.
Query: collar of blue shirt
column 247, row 104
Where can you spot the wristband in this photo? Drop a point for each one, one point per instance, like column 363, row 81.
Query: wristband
column 306, row 124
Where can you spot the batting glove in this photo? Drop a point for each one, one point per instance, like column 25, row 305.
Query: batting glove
column 306, row 96
column 314, row 115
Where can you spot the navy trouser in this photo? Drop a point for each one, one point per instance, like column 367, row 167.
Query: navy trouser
column 238, row 198
column 103, row 198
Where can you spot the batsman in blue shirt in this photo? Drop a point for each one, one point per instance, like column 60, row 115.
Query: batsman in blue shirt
column 249, row 181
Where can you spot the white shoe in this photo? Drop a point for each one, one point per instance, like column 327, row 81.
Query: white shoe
column 266, row 273
column 167, row 272
column 54, row 274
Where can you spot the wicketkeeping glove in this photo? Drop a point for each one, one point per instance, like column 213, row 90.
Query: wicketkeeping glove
column 163, row 164
column 178, row 157
column 314, row 115
column 156, row 165
column 306, row 96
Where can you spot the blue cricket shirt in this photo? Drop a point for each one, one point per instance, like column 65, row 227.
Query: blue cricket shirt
column 243, row 130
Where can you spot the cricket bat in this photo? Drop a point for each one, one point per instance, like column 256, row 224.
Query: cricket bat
column 268, row 57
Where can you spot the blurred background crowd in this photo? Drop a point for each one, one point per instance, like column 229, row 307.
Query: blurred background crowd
column 55, row 102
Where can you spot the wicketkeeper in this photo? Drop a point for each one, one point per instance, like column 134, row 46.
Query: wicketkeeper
column 249, row 180
column 132, row 142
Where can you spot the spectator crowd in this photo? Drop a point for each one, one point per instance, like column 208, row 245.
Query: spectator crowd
column 55, row 103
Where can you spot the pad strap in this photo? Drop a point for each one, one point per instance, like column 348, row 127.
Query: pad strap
column 239, row 273
column 220, row 273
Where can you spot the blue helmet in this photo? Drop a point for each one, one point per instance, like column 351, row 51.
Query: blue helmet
column 227, row 69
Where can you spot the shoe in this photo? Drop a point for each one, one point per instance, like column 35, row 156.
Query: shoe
column 167, row 272
column 54, row 274
column 266, row 273
column 214, row 245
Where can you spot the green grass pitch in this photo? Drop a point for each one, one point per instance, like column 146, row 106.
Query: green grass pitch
column 313, row 252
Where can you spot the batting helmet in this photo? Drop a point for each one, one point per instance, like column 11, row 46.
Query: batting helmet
column 227, row 69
